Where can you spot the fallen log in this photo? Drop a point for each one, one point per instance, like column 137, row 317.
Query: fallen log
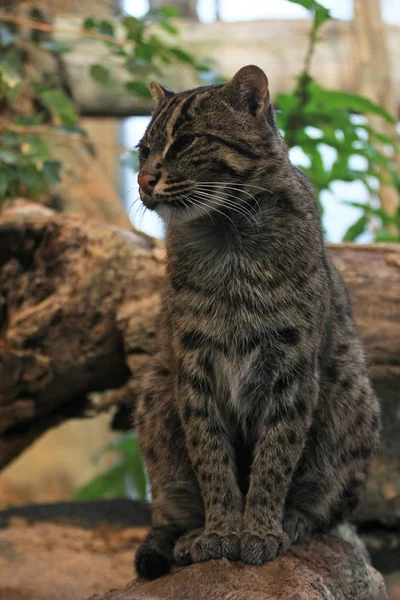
column 64, row 281
column 79, row 301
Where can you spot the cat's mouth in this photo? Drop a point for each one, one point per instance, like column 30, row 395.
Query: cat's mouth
column 150, row 201
column 155, row 201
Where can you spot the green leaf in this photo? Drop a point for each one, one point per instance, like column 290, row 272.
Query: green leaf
column 105, row 27
column 7, row 157
column 308, row 4
column 89, row 23
column 13, row 91
column 10, row 62
column 383, row 235
column 100, row 74
column 32, row 179
column 138, row 88
column 59, row 105
column 7, row 37
column 134, row 29
column 110, row 484
column 5, row 178
column 34, row 147
column 182, row 55
column 144, row 51
column 169, row 28
column 55, row 47
column 331, row 100
column 163, row 11
column 128, row 473
column 357, row 229
column 51, row 170
column 322, row 14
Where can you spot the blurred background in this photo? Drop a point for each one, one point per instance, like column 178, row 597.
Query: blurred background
column 74, row 86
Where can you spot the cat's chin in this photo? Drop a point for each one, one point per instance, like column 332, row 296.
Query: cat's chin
column 179, row 216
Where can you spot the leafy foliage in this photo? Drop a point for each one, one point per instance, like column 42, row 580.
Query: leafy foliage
column 145, row 46
column 315, row 119
column 126, row 478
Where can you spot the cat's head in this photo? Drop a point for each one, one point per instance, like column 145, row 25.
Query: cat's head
column 204, row 149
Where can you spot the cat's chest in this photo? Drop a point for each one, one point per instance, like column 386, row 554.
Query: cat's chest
column 233, row 375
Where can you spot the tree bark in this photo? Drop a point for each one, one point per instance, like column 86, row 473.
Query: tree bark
column 78, row 314
column 66, row 284
column 375, row 82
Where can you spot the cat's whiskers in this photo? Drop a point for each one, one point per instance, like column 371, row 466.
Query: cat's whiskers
column 213, row 187
column 132, row 205
column 200, row 202
column 237, row 184
column 226, row 202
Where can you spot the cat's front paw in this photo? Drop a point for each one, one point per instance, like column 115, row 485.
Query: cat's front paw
column 183, row 547
column 257, row 549
column 213, row 545
column 296, row 526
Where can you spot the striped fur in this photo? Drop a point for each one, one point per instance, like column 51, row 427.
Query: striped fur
column 257, row 420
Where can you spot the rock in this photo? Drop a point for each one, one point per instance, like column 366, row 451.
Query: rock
column 324, row 568
column 70, row 551
column 49, row 561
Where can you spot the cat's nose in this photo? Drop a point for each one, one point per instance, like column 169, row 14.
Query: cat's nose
column 147, row 183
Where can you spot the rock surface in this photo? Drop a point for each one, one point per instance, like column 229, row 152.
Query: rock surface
column 49, row 561
column 73, row 551
column 322, row 569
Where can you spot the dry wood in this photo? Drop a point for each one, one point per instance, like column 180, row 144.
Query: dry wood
column 375, row 81
column 78, row 314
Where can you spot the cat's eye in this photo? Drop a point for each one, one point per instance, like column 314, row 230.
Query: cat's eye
column 144, row 152
column 181, row 143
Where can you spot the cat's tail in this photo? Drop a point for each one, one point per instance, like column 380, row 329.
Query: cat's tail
column 155, row 557
column 348, row 532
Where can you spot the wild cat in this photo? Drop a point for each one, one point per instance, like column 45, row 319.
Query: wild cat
column 257, row 419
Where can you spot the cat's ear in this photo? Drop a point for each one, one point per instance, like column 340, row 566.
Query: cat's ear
column 248, row 90
column 159, row 92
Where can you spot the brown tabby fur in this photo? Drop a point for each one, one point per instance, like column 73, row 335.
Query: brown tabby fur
column 257, row 419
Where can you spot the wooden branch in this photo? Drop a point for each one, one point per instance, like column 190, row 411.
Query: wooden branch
column 65, row 283
column 47, row 28
column 78, row 315
column 278, row 46
column 375, row 83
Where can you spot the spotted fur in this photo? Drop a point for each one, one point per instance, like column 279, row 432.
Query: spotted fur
column 257, row 419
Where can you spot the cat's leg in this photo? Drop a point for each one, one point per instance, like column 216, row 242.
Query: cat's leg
column 177, row 506
column 330, row 478
column 278, row 449
column 321, row 503
column 212, row 458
